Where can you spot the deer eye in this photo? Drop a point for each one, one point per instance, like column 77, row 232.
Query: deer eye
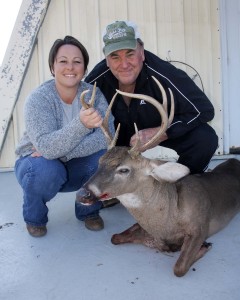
column 123, row 171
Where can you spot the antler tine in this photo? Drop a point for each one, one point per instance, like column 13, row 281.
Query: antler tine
column 164, row 96
column 105, row 120
column 105, row 129
column 84, row 104
column 114, row 140
column 134, row 150
column 162, row 112
column 92, row 100
column 171, row 115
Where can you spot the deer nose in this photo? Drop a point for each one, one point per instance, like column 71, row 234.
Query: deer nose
column 85, row 196
column 82, row 195
column 82, row 192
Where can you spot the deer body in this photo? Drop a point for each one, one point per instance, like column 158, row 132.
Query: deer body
column 174, row 212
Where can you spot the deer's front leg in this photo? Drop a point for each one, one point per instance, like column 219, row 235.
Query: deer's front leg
column 135, row 234
column 192, row 249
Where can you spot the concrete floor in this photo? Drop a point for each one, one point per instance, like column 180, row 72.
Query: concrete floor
column 72, row 263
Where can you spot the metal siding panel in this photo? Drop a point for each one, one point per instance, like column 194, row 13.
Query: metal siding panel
column 231, row 74
column 53, row 27
column 183, row 30
column 111, row 10
column 170, row 30
column 202, row 44
column 214, row 89
column 90, row 38
column 143, row 13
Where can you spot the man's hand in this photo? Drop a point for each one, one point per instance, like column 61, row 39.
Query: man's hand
column 90, row 118
column 146, row 134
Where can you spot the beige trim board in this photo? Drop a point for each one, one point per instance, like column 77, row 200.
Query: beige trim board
column 17, row 57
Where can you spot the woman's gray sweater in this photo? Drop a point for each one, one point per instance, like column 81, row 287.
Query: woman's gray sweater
column 43, row 114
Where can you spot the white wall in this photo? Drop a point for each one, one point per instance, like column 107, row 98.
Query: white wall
column 181, row 30
column 230, row 41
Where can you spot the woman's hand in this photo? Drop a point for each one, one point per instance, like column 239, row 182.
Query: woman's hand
column 35, row 153
column 90, row 118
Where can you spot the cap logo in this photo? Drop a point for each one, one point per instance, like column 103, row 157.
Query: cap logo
column 117, row 33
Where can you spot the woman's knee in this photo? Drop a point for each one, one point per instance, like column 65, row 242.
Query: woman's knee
column 39, row 172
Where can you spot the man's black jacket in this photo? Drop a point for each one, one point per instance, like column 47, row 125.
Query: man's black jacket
column 192, row 106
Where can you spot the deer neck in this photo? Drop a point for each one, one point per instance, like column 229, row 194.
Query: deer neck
column 163, row 200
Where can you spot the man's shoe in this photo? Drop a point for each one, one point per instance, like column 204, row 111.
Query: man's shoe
column 36, row 231
column 110, row 202
column 94, row 223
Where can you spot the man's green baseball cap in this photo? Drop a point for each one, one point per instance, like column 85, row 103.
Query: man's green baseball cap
column 120, row 35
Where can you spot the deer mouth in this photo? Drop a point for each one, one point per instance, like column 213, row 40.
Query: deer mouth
column 87, row 197
column 104, row 196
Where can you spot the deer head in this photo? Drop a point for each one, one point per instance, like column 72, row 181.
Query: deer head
column 121, row 161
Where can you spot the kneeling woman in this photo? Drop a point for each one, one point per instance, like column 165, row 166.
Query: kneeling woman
column 62, row 143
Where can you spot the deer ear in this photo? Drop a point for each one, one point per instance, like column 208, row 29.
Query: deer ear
column 169, row 171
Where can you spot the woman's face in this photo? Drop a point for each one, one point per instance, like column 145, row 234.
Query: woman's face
column 68, row 66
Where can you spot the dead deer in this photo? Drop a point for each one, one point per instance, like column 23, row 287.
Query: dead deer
column 173, row 209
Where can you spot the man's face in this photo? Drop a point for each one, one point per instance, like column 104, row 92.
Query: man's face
column 126, row 64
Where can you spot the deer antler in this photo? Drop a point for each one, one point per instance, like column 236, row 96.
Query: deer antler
column 162, row 108
column 105, row 128
column 164, row 96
